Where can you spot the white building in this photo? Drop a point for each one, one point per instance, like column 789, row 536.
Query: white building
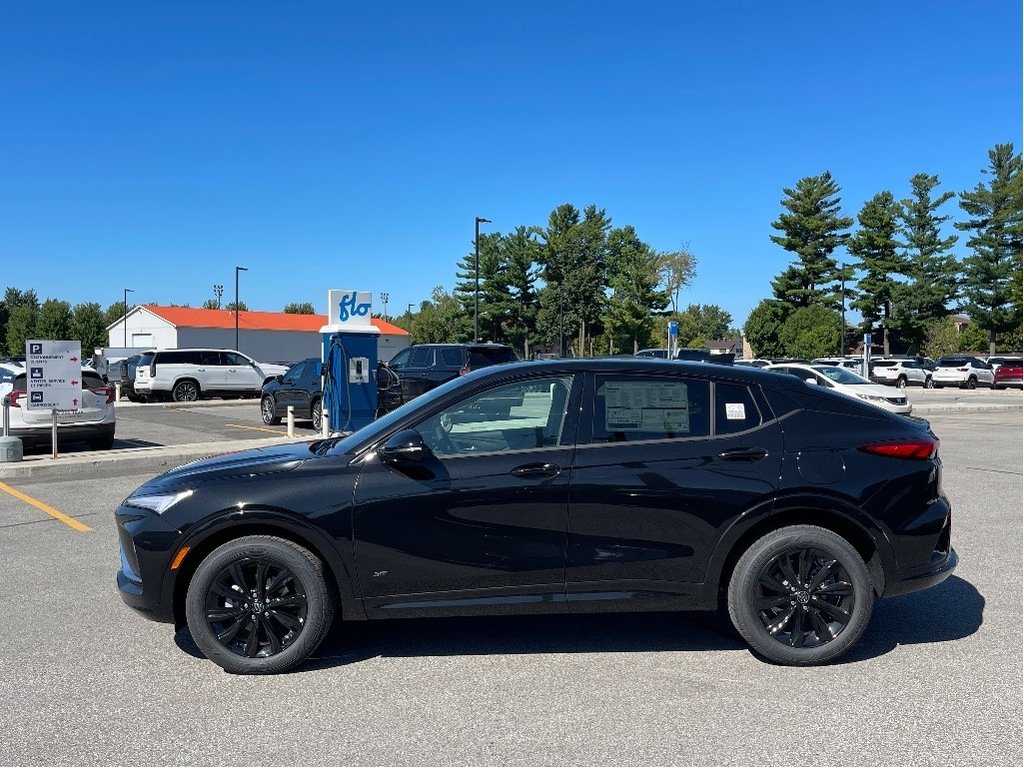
column 264, row 336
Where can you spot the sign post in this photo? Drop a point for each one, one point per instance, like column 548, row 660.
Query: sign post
column 673, row 339
column 867, row 355
column 54, row 378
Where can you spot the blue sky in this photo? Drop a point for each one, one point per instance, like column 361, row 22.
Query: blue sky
column 155, row 146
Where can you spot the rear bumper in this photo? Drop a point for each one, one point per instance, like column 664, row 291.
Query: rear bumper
column 66, row 433
column 936, row 574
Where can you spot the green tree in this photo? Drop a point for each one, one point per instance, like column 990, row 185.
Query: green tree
column 678, row 268
column 520, row 253
column 992, row 273
column 490, row 309
column 877, row 249
column 441, row 320
column 702, row 323
column 115, row 313
column 811, row 332
column 633, row 268
column 928, row 262
column 942, row 337
column 812, row 229
column 54, row 321
column 89, row 326
column 973, row 338
column 23, row 312
column 230, row 306
column 14, row 297
column 764, row 326
column 303, row 308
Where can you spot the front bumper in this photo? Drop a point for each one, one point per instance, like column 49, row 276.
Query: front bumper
column 147, row 545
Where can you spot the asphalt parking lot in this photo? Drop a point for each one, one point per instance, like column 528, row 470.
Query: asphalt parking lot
column 936, row 680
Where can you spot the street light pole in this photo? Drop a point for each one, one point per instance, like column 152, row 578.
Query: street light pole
column 237, row 270
column 126, row 292
column 384, row 298
column 476, row 292
column 842, row 297
column 218, row 291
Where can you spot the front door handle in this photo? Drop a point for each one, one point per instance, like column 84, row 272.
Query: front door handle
column 743, row 454
column 537, row 470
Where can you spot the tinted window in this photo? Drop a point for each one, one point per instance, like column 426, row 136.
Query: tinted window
column 177, row 357
column 91, row 380
column 451, row 357
column 233, row 358
column 421, row 357
column 480, row 357
column 297, row 371
column 513, row 417
column 145, row 359
column 735, row 409
column 400, row 359
column 634, row 408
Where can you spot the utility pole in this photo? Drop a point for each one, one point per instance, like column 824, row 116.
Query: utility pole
column 476, row 292
column 126, row 292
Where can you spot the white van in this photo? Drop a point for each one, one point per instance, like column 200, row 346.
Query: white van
column 186, row 375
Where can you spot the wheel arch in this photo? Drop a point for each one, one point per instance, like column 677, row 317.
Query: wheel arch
column 267, row 524
column 180, row 379
column 823, row 513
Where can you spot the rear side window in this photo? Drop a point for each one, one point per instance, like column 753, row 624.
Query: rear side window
column 421, row 357
column 631, row 409
column 479, row 358
column 735, row 409
column 91, row 380
column 451, row 357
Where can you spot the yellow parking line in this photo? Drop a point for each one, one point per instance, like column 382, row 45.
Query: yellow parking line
column 70, row 521
column 260, row 429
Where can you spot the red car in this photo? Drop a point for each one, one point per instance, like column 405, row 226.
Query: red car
column 1008, row 375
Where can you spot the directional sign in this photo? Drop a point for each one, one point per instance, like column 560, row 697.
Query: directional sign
column 54, row 375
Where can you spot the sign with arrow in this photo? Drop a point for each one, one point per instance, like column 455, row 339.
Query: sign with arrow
column 54, row 375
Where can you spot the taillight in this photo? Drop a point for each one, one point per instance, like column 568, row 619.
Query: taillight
column 464, row 370
column 107, row 392
column 964, row 370
column 904, row 449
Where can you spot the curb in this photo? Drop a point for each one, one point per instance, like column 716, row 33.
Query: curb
column 965, row 408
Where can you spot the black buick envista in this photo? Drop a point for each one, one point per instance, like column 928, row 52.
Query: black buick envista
column 566, row 485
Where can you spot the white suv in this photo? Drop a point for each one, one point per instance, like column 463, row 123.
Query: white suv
column 93, row 423
column 902, row 373
column 962, row 371
column 186, row 375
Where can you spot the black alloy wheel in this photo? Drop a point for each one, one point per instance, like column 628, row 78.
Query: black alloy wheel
column 185, row 391
column 268, row 410
column 259, row 605
column 801, row 595
column 317, row 414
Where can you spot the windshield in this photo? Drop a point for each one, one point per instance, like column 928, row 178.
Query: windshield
column 840, row 375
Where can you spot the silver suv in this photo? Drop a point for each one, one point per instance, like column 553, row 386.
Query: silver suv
column 188, row 374
column 901, row 373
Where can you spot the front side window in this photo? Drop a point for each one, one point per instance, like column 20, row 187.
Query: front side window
column 636, row 408
column 297, row 371
column 234, row 358
column 401, row 359
column 522, row 415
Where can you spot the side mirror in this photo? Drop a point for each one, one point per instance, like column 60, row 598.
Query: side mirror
column 279, row 378
column 404, row 446
column 811, row 380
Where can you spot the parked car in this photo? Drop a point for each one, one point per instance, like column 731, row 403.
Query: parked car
column 962, row 371
column 300, row 387
column 617, row 485
column 755, row 362
column 421, row 367
column 848, row 383
column 93, row 423
column 188, row 374
column 126, row 374
column 1008, row 375
column 998, row 360
column 900, row 373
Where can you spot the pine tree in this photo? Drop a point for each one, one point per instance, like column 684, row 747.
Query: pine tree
column 633, row 268
column 812, row 229
column 992, row 273
column 875, row 245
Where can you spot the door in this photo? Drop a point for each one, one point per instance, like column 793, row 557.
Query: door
column 292, row 389
column 240, row 375
column 663, row 466
column 478, row 524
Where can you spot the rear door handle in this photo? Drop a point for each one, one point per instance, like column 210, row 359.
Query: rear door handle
column 743, row 454
column 537, row 470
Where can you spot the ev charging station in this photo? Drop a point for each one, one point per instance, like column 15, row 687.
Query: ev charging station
column 349, row 354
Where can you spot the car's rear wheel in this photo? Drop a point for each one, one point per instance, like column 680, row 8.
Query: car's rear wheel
column 317, row 413
column 259, row 605
column 800, row 595
column 928, row 383
column 185, row 391
column 268, row 410
column 972, row 383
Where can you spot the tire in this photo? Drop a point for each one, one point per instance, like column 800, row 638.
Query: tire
column 901, row 382
column 316, row 411
column 972, row 383
column 267, row 411
column 298, row 605
column 185, row 391
column 928, row 383
column 766, row 609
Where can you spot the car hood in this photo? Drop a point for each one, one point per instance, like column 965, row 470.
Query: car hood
column 875, row 390
column 255, row 461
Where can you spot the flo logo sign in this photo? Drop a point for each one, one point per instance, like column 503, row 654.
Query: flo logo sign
column 349, row 308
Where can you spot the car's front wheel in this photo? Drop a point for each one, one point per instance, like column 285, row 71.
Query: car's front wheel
column 259, row 605
column 268, row 410
column 901, row 382
column 800, row 595
column 317, row 413
column 185, row 391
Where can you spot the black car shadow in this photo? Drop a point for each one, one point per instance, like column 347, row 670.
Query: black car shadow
column 951, row 611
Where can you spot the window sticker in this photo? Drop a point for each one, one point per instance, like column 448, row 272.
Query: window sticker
column 735, row 411
column 646, row 406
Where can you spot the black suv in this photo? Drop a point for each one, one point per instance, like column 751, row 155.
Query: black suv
column 299, row 387
column 421, row 367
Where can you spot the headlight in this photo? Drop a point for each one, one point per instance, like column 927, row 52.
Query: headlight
column 872, row 398
column 158, row 504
